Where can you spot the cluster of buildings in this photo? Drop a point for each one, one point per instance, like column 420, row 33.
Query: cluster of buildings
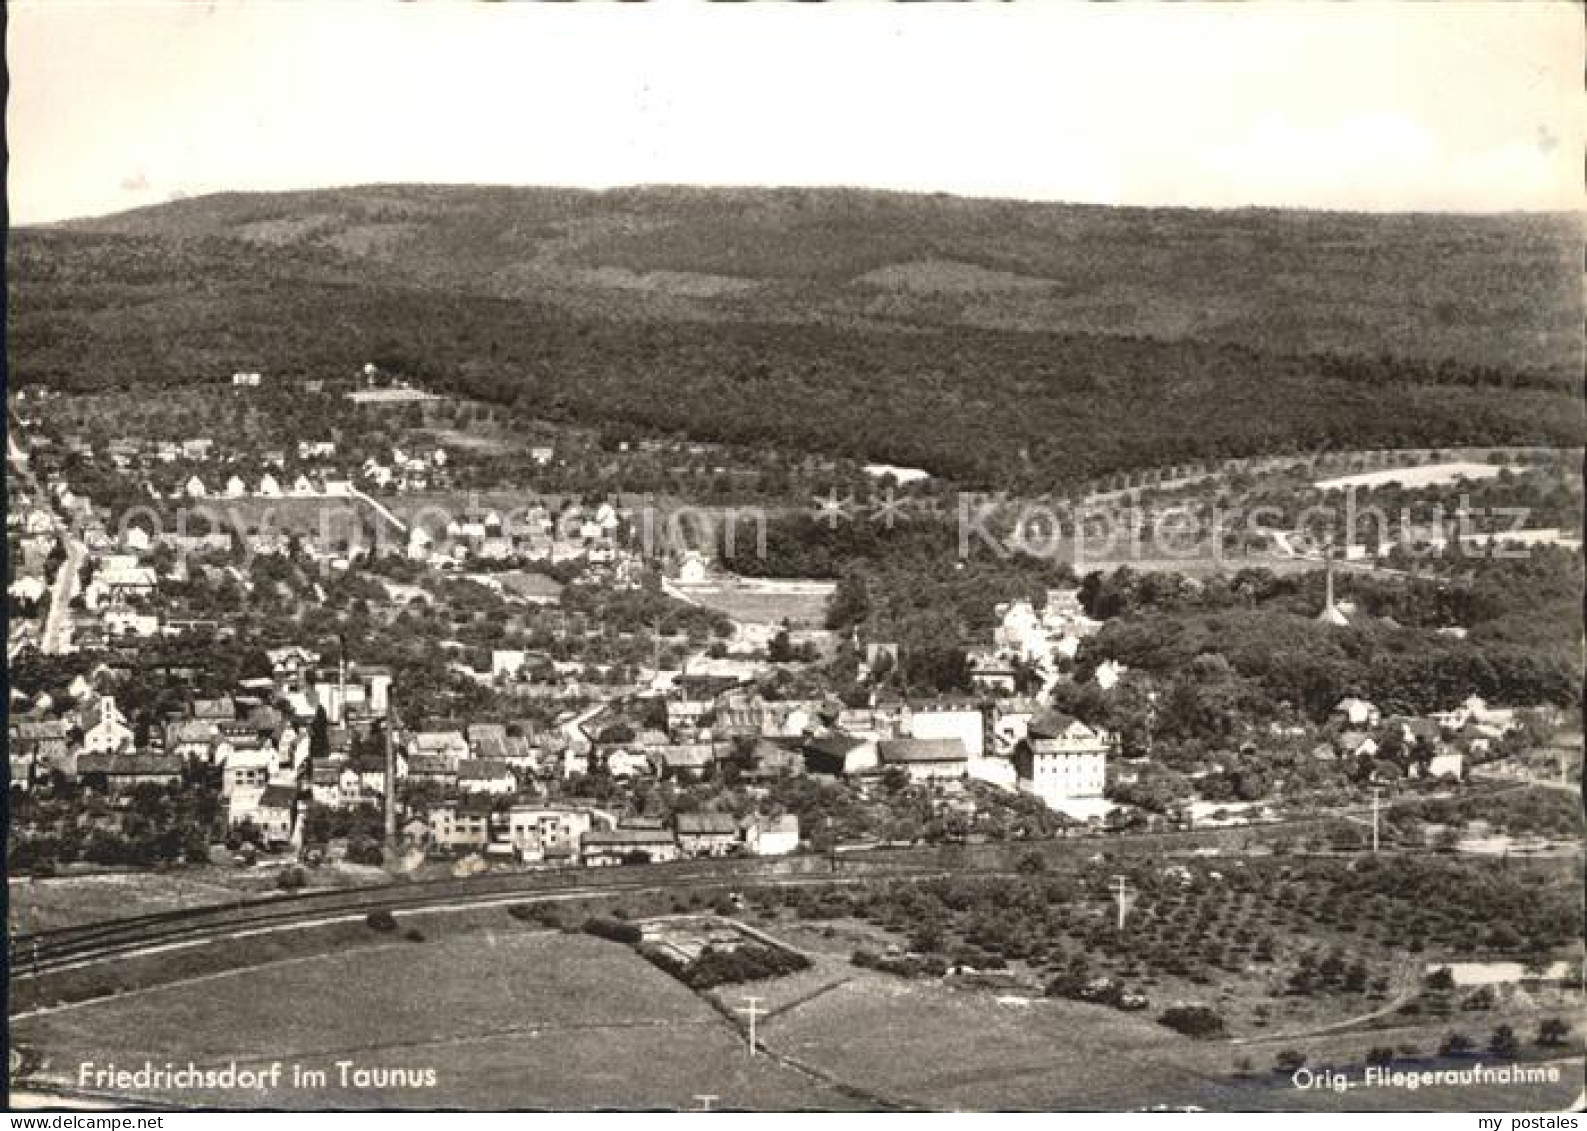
column 1034, row 640
column 1434, row 745
column 537, row 533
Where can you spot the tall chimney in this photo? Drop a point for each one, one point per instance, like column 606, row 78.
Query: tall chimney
column 341, row 680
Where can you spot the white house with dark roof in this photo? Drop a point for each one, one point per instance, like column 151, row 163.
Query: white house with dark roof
column 1061, row 760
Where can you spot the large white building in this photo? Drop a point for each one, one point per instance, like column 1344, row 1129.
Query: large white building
column 1061, row 760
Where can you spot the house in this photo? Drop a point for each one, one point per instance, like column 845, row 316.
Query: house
column 991, row 673
column 707, row 834
column 198, row 449
column 1108, row 674
column 476, row 775
column 770, row 759
column 1355, row 712
column 244, row 767
column 1447, row 764
column 606, row 847
column 222, row 709
column 925, row 759
column 448, row 744
column 235, row 487
column 269, row 487
column 507, row 663
column 948, row 718
column 624, row 764
column 539, row 832
column 104, row 727
column 194, row 488
column 1061, row 759
column 114, row 773
column 686, row 714
column 291, row 661
column 840, row 755
column 273, row 813
column 303, row 487
column 692, row 570
column 684, row 760
column 772, row 836
column 191, row 738
column 454, row 826
column 1356, row 743
column 117, row 583
column 488, row 741
column 245, row 380
column 433, row 768
column 336, row 787
column 127, row 622
column 28, row 589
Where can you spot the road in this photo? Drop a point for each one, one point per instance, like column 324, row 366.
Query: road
column 56, row 637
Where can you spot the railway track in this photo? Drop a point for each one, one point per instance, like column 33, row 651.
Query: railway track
column 68, row 947
column 47, row 951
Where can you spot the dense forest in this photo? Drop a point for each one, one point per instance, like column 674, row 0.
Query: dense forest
column 827, row 347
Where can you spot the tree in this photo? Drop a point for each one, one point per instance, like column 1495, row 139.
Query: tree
column 850, row 602
column 780, row 651
column 320, row 738
column 1456, row 1044
column 1192, row 1020
column 1503, row 1042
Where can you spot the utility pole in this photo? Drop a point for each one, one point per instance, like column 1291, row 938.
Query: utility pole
column 706, row 1100
column 391, row 788
column 1121, row 893
column 1376, row 793
column 752, row 1010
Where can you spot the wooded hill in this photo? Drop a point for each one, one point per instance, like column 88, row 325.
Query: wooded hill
column 999, row 343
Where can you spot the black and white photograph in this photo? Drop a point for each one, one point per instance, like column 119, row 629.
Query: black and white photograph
column 685, row 557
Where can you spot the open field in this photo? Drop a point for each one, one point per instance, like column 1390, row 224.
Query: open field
column 334, row 516
column 802, row 604
column 1425, row 475
column 933, row 1047
column 65, row 901
column 504, row 1019
column 507, row 1015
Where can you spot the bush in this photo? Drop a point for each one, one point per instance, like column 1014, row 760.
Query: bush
column 1551, row 1032
column 1289, row 1060
column 1455, row 1044
column 1381, row 1056
column 614, row 929
column 413, row 934
column 291, row 879
column 380, row 921
column 1503, row 1042
column 1440, row 979
column 1193, row 1021
column 747, row 963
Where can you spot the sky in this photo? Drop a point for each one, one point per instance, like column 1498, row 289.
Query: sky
column 1470, row 106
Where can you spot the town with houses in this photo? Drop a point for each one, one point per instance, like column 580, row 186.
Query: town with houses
column 710, row 751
